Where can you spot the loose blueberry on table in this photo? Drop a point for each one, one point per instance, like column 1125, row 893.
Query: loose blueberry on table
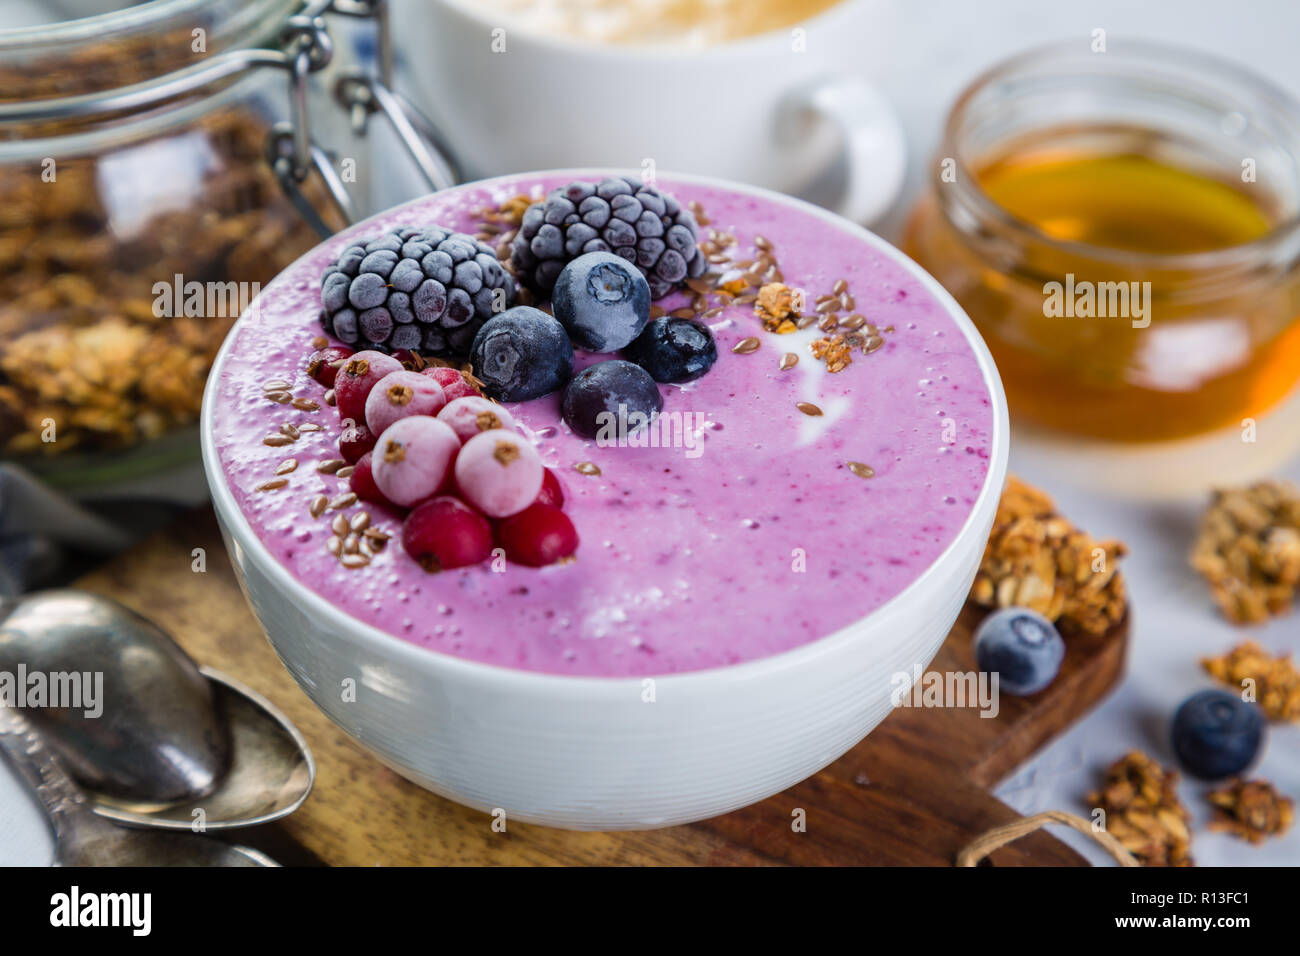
column 430, row 441
column 1022, row 647
column 1217, row 734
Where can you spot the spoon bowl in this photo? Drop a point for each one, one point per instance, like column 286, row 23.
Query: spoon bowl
column 164, row 743
column 271, row 773
column 84, row 839
column 126, row 711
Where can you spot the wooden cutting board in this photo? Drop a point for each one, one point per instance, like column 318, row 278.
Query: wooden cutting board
column 914, row 792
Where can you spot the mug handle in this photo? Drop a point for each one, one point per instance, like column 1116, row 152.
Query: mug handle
column 873, row 142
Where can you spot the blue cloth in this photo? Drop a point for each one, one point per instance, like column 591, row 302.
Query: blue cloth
column 40, row 528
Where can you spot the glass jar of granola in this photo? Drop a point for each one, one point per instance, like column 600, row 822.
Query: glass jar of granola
column 157, row 166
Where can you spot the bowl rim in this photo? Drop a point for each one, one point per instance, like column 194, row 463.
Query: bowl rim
column 560, row 686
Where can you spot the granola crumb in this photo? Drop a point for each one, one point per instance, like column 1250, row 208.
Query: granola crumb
column 1276, row 680
column 775, row 305
column 836, row 352
column 1140, row 801
column 1252, row 810
column 1037, row 558
column 1248, row 550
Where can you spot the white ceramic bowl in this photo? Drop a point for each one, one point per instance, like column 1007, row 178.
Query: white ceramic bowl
column 596, row 753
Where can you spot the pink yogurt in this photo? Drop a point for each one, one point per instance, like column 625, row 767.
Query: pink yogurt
column 757, row 540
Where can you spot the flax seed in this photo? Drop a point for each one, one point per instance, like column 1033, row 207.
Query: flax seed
column 763, row 243
column 329, row 397
column 354, row 560
column 825, row 305
column 340, row 525
column 330, row 465
column 808, row 408
column 276, row 385
column 854, row 322
column 277, row 441
column 286, row 466
column 345, row 472
column 272, row 485
column 305, row 404
column 345, row 500
column 280, row 398
column 839, row 287
column 590, row 469
column 318, row 506
column 290, row 430
column 789, row 360
column 746, row 346
column 861, row 470
column 360, row 521
column 335, row 545
column 847, row 302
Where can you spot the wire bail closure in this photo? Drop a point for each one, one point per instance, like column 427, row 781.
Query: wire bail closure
column 308, row 48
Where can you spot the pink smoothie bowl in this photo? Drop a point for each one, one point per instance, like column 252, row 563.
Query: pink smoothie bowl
column 611, row 753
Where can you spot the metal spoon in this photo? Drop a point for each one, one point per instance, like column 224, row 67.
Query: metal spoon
column 84, row 839
column 175, row 744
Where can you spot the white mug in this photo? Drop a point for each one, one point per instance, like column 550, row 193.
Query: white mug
column 784, row 109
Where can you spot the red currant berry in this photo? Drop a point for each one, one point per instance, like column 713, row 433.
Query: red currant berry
column 356, row 378
column 552, row 492
column 453, row 383
column 324, row 363
column 355, row 441
column 411, row 361
column 541, row 534
column 362, row 482
column 444, row 533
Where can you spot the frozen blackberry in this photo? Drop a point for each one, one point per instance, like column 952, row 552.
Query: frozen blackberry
column 620, row 215
column 428, row 290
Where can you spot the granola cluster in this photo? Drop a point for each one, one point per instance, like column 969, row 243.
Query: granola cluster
column 1252, row 810
column 82, row 343
column 777, row 308
column 1036, row 558
column 1276, row 680
column 1140, row 800
column 1248, row 550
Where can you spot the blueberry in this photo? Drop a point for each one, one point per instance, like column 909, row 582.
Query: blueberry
column 1022, row 647
column 521, row 353
column 674, row 349
column 602, row 300
column 612, row 388
column 1217, row 734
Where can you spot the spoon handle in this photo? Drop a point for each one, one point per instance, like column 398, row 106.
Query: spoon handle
column 62, row 799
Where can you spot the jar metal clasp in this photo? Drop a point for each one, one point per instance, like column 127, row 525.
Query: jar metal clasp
column 307, row 48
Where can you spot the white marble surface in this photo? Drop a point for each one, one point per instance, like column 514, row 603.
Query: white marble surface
column 941, row 45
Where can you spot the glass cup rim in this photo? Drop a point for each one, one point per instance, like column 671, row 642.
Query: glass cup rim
column 1148, row 53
